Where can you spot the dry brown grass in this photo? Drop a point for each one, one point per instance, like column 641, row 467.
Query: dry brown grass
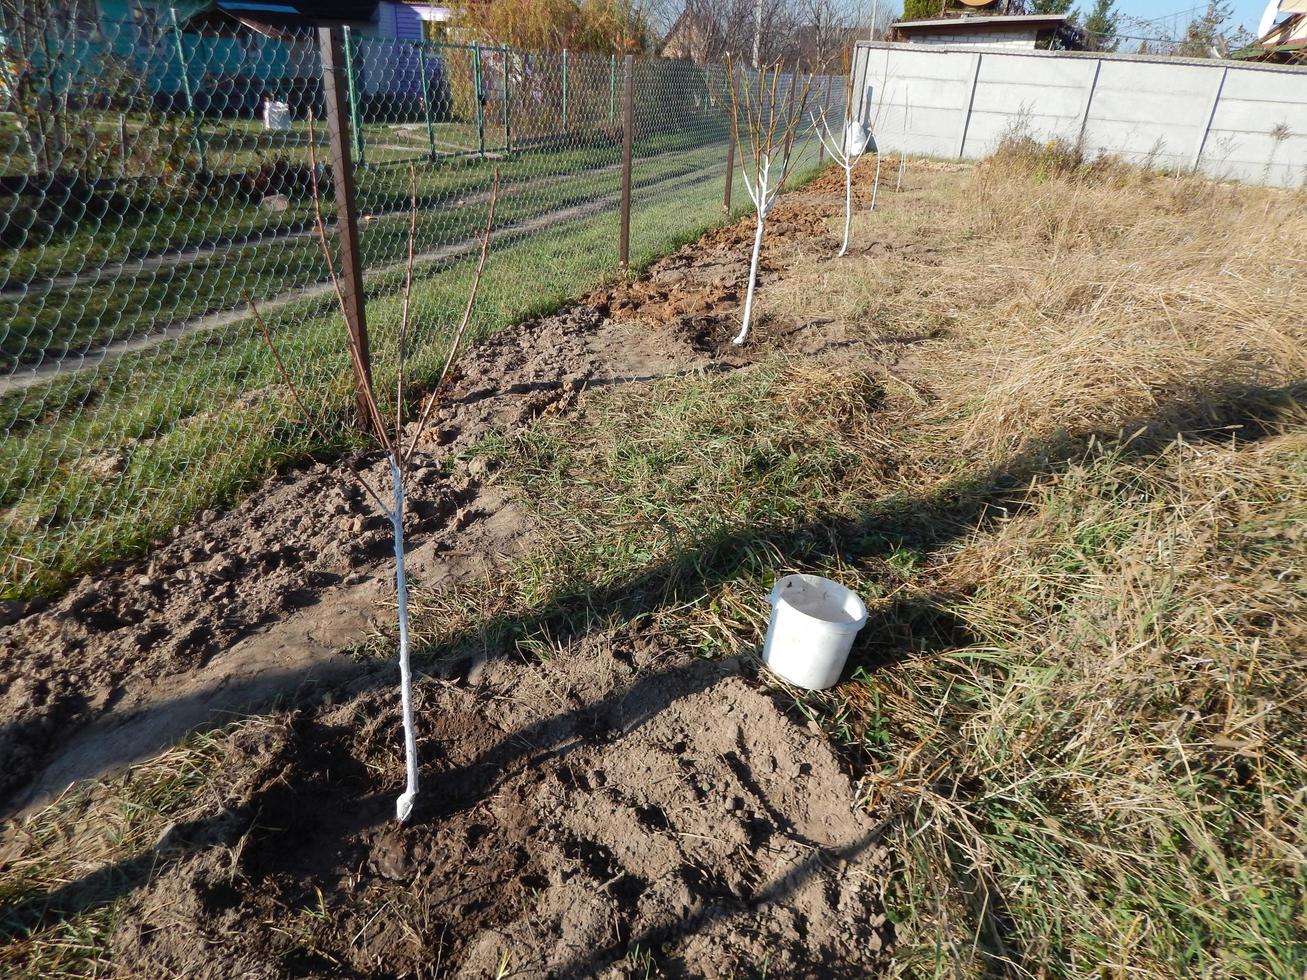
column 1110, row 777
column 1073, row 303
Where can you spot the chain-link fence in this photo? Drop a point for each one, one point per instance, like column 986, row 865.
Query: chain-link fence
column 155, row 179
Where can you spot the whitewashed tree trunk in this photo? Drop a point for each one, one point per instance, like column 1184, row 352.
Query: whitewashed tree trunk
column 753, row 275
column 848, row 208
column 404, row 805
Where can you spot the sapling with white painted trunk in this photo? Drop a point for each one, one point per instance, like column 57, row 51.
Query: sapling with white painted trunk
column 396, row 439
column 846, row 149
column 770, row 127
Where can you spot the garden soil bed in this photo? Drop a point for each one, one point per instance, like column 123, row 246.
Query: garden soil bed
column 590, row 816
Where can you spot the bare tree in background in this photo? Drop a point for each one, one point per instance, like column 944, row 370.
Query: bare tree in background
column 710, row 31
column 825, row 34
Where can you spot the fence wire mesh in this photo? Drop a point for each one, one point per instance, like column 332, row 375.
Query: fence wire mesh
column 155, row 175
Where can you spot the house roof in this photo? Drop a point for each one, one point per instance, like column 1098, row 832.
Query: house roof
column 301, row 12
column 1041, row 22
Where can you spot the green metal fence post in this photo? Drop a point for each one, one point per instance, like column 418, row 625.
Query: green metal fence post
column 186, row 88
column 426, row 97
column 354, row 115
column 612, row 88
column 480, row 99
column 566, row 128
column 628, row 135
column 508, row 103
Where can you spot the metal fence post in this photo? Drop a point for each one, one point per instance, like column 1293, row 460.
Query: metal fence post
column 508, row 105
column 628, row 126
column 426, row 97
column 1089, row 101
column 565, row 126
column 1211, row 117
column 354, row 121
column 612, row 88
column 342, row 173
column 480, row 99
column 971, row 101
column 733, row 138
column 186, row 88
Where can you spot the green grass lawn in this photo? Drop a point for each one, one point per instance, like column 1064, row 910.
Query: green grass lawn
column 84, row 457
column 42, row 325
column 122, row 227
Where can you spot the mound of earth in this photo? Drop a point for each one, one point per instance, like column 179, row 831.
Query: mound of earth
column 612, row 812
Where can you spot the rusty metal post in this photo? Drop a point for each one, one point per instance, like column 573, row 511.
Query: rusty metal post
column 628, row 127
column 336, row 90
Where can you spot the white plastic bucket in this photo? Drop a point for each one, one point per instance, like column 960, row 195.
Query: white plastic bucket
column 813, row 623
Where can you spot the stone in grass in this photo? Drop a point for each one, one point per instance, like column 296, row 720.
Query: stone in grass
column 275, row 202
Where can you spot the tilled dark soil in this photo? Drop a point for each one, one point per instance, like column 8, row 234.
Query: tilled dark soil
column 664, row 820
column 302, row 537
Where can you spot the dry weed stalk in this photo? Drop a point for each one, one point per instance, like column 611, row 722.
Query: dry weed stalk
column 771, row 128
column 388, row 435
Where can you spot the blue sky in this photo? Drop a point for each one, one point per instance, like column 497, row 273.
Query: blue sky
column 1177, row 13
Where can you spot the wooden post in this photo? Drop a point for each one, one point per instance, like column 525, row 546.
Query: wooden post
column 628, row 126
column 733, row 137
column 336, row 91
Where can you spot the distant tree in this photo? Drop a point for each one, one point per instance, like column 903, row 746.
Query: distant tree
column 605, row 26
column 1100, row 26
column 922, row 9
column 1209, row 35
column 1050, row 6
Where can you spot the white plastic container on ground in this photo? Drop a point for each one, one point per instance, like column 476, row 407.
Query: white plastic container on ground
column 813, row 623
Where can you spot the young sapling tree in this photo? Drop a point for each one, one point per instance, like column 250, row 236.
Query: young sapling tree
column 846, row 149
column 388, row 433
column 770, row 127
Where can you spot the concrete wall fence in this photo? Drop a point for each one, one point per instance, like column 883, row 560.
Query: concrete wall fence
column 1228, row 120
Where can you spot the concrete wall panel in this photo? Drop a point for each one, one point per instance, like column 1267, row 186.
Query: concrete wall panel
column 1154, row 111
